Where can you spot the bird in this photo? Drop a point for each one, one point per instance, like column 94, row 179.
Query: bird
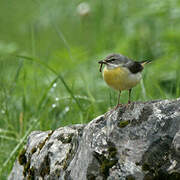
column 122, row 73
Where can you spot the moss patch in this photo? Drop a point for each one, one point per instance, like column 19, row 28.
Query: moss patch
column 123, row 124
column 41, row 145
column 26, row 168
column 155, row 160
column 65, row 139
column 22, row 157
column 26, row 162
column 106, row 162
column 130, row 177
column 145, row 113
column 33, row 150
column 145, row 167
column 67, row 160
column 45, row 166
column 31, row 174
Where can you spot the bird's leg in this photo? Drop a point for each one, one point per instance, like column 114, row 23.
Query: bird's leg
column 129, row 100
column 118, row 103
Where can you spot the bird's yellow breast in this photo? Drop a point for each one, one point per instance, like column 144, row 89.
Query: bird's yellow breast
column 120, row 78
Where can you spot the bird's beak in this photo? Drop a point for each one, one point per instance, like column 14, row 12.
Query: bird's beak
column 102, row 62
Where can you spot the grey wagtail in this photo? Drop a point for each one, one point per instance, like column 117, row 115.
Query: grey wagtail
column 121, row 73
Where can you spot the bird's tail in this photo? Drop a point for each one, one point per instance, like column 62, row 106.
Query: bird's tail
column 145, row 62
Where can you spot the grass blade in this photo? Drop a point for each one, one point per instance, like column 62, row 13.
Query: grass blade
column 58, row 76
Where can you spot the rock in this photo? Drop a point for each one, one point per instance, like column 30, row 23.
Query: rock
column 140, row 141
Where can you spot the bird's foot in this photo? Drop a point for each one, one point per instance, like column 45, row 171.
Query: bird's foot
column 129, row 104
column 118, row 105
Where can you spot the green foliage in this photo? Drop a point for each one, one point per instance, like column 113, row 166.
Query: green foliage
column 48, row 61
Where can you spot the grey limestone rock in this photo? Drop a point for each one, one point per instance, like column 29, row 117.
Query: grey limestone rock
column 140, row 141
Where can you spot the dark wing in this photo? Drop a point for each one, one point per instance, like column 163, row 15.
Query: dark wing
column 134, row 67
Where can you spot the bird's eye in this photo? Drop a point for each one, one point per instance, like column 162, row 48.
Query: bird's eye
column 112, row 59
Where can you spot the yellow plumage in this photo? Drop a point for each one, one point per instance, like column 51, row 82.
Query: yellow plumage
column 120, row 78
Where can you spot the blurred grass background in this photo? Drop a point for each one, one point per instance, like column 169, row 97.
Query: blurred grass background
column 49, row 76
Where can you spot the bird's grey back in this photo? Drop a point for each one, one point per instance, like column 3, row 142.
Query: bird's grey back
column 118, row 59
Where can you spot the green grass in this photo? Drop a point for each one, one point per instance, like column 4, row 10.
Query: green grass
column 49, row 75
